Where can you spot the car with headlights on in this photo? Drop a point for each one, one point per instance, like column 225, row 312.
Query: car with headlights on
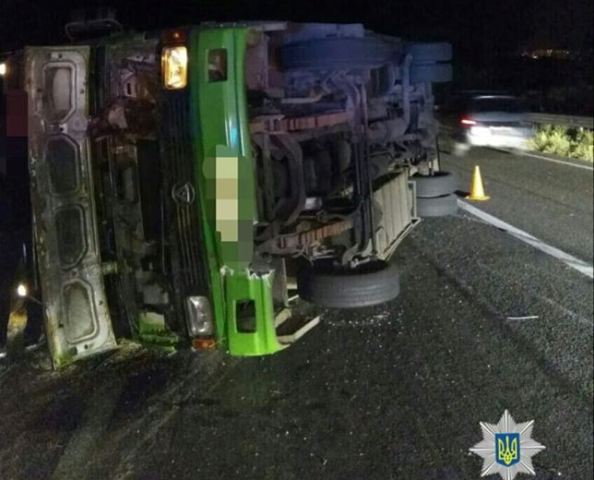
column 488, row 120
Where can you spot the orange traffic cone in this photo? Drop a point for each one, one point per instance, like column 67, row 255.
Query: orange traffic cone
column 477, row 192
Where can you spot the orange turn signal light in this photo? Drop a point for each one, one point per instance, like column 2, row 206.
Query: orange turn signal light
column 204, row 343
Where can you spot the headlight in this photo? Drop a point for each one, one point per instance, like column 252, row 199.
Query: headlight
column 22, row 290
column 174, row 64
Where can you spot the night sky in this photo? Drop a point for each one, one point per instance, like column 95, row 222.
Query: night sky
column 477, row 28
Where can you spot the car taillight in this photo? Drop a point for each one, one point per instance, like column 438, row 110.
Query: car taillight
column 468, row 122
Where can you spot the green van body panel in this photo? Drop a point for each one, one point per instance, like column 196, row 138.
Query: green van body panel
column 225, row 177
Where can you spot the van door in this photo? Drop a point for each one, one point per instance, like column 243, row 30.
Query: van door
column 77, row 317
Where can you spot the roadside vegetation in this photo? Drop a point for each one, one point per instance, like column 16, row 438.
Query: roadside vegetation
column 565, row 142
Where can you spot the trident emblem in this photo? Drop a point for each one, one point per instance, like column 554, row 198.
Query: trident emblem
column 507, row 446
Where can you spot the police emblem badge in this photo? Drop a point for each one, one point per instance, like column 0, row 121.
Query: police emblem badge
column 507, row 448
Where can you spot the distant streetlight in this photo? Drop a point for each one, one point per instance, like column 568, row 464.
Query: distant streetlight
column 3, row 69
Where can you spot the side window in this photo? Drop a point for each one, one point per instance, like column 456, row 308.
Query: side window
column 217, row 65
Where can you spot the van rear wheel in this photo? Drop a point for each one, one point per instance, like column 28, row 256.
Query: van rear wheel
column 332, row 287
column 436, row 185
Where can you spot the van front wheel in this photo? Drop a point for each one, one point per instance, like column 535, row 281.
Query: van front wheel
column 370, row 284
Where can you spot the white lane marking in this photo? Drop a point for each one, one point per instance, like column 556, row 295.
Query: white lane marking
column 554, row 160
column 571, row 261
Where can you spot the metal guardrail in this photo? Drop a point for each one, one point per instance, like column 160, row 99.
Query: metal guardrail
column 565, row 120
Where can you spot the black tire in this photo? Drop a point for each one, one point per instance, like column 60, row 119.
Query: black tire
column 334, row 53
column 372, row 284
column 437, row 185
column 429, row 52
column 438, row 206
column 431, row 73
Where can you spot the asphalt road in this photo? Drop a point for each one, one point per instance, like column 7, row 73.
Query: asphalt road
column 552, row 201
column 392, row 392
